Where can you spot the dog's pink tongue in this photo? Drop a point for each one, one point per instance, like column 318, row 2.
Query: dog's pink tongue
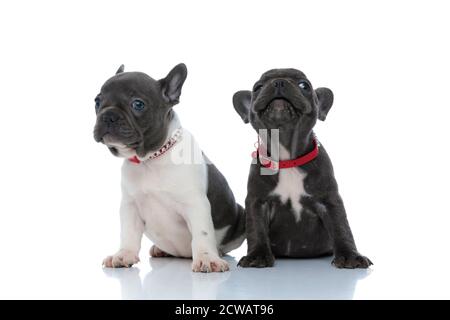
column 278, row 104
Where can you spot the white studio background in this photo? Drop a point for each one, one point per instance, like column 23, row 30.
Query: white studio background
column 387, row 63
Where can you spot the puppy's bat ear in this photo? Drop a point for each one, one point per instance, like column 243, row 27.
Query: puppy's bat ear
column 172, row 84
column 121, row 69
column 325, row 97
column 241, row 101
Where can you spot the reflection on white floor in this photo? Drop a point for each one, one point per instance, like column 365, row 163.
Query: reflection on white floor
column 68, row 277
column 171, row 278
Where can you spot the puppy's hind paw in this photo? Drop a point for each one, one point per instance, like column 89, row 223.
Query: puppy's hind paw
column 122, row 259
column 351, row 261
column 157, row 252
column 257, row 261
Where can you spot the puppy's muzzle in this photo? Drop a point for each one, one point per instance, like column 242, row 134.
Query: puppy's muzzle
column 113, row 122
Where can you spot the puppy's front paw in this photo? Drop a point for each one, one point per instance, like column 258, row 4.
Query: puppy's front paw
column 157, row 252
column 207, row 262
column 351, row 261
column 257, row 261
column 122, row 259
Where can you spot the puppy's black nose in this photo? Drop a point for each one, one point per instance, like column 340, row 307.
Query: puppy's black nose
column 278, row 83
column 110, row 117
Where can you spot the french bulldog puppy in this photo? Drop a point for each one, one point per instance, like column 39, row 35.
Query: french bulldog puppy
column 183, row 205
column 293, row 208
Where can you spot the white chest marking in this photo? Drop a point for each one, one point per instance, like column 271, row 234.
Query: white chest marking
column 159, row 189
column 290, row 186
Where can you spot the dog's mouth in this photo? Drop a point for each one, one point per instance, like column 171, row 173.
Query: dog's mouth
column 280, row 110
column 112, row 141
column 117, row 147
column 123, row 136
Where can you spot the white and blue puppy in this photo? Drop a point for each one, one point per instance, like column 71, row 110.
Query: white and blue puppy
column 171, row 192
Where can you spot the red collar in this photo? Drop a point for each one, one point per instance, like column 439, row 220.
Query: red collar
column 267, row 162
column 176, row 135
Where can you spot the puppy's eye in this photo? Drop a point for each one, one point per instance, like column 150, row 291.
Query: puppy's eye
column 138, row 105
column 97, row 103
column 257, row 87
column 304, row 85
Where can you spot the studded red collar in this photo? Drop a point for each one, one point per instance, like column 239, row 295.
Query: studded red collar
column 176, row 135
column 269, row 163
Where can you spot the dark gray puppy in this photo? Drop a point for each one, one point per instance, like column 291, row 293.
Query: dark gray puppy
column 183, row 205
column 296, row 211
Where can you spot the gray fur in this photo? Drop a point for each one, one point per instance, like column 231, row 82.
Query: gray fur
column 272, row 230
column 226, row 212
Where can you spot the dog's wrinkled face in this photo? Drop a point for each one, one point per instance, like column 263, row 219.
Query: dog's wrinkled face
column 134, row 111
column 283, row 99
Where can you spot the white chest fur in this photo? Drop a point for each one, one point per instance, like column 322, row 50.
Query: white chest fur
column 159, row 189
column 291, row 186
